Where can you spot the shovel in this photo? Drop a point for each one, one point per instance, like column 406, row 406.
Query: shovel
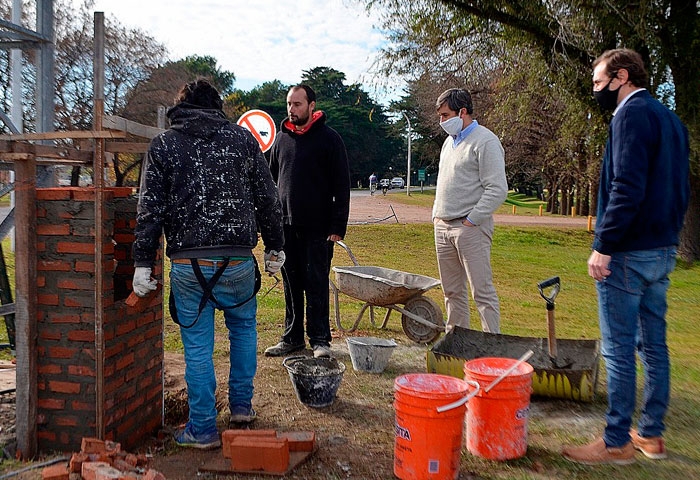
column 548, row 290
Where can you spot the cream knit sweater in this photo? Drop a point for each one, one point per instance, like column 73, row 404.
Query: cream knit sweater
column 472, row 179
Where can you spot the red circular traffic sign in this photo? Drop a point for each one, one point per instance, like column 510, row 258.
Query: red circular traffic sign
column 261, row 125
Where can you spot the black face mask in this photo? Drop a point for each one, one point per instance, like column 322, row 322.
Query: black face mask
column 606, row 98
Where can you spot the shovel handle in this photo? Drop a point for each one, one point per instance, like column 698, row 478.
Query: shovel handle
column 551, row 334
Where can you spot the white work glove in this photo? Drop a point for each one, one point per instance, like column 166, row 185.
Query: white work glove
column 142, row 283
column 274, row 261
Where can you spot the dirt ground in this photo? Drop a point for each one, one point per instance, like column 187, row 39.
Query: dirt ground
column 355, row 435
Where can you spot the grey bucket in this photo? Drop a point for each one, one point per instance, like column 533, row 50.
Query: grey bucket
column 315, row 380
column 370, row 354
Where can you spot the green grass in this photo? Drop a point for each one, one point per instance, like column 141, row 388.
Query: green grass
column 522, row 257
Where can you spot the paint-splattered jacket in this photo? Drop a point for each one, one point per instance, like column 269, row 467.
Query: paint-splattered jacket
column 206, row 184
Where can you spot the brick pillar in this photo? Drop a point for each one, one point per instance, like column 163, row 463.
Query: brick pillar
column 132, row 341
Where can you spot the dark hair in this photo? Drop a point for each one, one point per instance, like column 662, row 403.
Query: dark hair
column 310, row 94
column 456, row 99
column 200, row 93
column 627, row 59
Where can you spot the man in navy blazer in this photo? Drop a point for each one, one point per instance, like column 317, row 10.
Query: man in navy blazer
column 643, row 196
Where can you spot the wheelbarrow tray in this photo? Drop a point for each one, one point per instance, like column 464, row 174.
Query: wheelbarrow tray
column 381, row 286
column 576, row 381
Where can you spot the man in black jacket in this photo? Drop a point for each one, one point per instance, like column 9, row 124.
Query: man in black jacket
column 310, row 165
column 207, row 186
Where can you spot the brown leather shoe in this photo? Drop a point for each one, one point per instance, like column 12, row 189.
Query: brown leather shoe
column 597, row 453
column 651, row 447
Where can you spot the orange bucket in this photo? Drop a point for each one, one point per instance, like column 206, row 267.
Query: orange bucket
column 497, row 418
column 428, row 443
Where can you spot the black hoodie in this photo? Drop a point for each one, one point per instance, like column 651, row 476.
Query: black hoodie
column 205, row 183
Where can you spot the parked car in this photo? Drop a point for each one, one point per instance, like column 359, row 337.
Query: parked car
column 384, row 182
column 397, row 182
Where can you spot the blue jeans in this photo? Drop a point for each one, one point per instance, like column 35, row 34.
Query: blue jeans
column 235, row 285
column 632, row 310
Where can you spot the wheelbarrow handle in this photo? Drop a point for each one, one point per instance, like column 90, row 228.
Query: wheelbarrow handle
column 349, row 252
column 550, row 282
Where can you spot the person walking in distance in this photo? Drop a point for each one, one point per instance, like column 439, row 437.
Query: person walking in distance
column 207, row 186
column 642, row 200
column 310, row 165
column 471, row 185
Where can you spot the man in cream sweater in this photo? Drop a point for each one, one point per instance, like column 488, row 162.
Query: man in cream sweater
column 471, row 185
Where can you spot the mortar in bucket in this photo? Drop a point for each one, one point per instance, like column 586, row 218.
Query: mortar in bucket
column 370, row 354
column 428, row 440
column 498, row 414
column 315, row 380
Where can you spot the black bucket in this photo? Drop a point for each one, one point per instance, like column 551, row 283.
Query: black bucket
column 315, row 380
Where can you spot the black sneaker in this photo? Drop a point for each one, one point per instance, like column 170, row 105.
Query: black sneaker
column 283, row 348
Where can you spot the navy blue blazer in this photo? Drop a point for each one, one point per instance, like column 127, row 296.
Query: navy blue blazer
column 644, row 179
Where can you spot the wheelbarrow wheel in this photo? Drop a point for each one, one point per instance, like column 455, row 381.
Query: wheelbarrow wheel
column 427, row 309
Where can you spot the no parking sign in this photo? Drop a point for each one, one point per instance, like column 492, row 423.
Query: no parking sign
column 261, row 125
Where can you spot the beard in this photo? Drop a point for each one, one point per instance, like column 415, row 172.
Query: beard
column 298, row 120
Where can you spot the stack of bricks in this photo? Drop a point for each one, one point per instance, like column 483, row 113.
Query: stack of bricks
column 100, row 460
column 265, row 451
column 67, row 348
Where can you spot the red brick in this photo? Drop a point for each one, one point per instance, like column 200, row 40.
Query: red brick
column 40, row 212
column 40, row 281
column 85, row 194
column 75, row 247
column 53, row 265
column 62, row 352
column 53, row 194
column 76, row 283
column 299, row 441
column 51, row 404
column 76, row 462
column 126, row 327
column 61, row 230
column 47, row 299
column 82, row 406
column 89, row 469
column 82, row 335
column 121, row 192
column 266, row 454
column 58, row 471
column 81, row 266
column 51, row 369
column 63, row 318
column 228, row 436
column 64, row 387
column 66, row 421
column 92, row 445
column 82, row 301
column 40, row 246
column 81, row 371
column 49, row 335
column 153, row 475
column 124, row 237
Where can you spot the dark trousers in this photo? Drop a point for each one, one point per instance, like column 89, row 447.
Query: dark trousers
column 305, row 273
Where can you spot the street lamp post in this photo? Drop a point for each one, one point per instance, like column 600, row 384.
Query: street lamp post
column 408, row 171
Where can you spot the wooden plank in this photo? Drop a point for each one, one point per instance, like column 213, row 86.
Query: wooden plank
column 46, row 151
column 112, row 122
column 126, row 147
column 26, row 308
column 64, row 134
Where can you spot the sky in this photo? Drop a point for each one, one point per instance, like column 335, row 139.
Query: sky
column 261, row 40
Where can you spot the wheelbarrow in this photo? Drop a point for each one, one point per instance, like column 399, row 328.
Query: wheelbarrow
column 564, row 368
column 421, row 317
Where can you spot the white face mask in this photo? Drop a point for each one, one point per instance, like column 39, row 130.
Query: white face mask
column 452, row 125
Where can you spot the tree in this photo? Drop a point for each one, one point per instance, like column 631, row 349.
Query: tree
column 568, row 35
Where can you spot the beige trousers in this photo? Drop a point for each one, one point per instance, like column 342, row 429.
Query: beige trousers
column 464, row 257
